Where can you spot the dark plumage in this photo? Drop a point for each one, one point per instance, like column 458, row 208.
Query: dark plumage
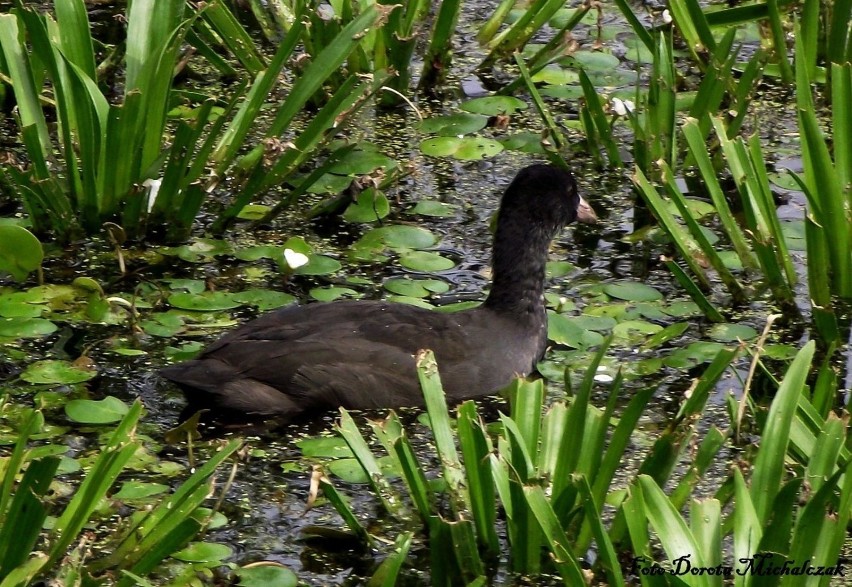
column 360, row 354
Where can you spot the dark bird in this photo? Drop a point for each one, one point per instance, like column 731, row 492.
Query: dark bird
column 361, row 354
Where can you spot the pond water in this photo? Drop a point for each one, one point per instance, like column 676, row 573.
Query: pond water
column 266, row 505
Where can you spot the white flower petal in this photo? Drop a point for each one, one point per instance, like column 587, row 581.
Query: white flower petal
column 293, row 259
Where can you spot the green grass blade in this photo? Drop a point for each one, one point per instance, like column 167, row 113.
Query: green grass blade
column 342, row 507
column 769, row 463
column 689, row 250
column 20, row 72
column 558, row 542
column 676, row 538
column 75, row 36
column 378, row 482
column 436, row 407
column 475, row 447
column 388, row 572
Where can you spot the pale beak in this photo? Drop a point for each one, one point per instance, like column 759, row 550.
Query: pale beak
column 585, row 214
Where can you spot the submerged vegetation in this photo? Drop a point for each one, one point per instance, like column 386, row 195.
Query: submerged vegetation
column 154, row 182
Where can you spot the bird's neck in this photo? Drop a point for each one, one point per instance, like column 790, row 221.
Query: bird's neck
column 518, row 261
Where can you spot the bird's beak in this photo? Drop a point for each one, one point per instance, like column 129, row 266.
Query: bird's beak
column 585, row 214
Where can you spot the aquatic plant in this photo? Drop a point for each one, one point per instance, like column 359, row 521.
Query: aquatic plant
column 31, row 548
column 113, row 162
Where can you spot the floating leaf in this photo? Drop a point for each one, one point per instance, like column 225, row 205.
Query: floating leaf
column 595, row 61
column 632, row 291
column 493, row 105
column 208, row 301
column 525, row 142
column 136, row 490
column 454, row 125
column 557, row 76
column 16, row 305
column 695, row 354
column 598, row 323
column 362, row 162
column 410, row 301
column 464, row 148
column 397, row 236
column 370, row 205
column 55, row 371
column 563, row 329
column 324, row 446
column 433, row 208
column 184, row 352
column 190, row 285
column 258, row 252
column 416, row 288
column 732, row 332
column 20, row 251
column 351, row 471
column 266, row 574
column 425, row 261
column 666, row 334
column 86, row 411
column 559, row 268
column 204, row 552
column 263, row 299
column 331, row 293
column 319, row 265
column 253, row 212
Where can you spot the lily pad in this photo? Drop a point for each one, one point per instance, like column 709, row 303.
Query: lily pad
column 695, row 354
column 20, row 251
column 370, row 205
column 564, row 330
column 15, row 305
column 139, row 490
column 324, row 446
column 56, row 372
column 361, row 162
column 204, row 552
column 493, row 105
column 434, row 208
column 732, row 332
column 425, row 261
column 416, row 288
column 596, row 61
column 351, row 471
column 331, row 293
column 86, row 411
column 464, row 148
column 454, row 125
column 263, row 299
column 257, row 252
column 253, row 212
column 266, row 574
column 411, row 301
column 632, row 291
column 318, row 265
column 559, row 268
column 666, row 334
column 208, row 301
column 397, row 236
column 525, row 142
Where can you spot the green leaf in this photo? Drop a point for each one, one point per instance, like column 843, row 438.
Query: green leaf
column 425, row 261
column 26, row 327
column 20, row 251
column 263, row 299
column 204, row 552
column 732, row 332
column 493, row 105
column 433, row 208
column 266, row 574
column 54, row 371
column 208, row 301
column 632, row 291
column 106, row 411
column 369, row 206
column 464, row 148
